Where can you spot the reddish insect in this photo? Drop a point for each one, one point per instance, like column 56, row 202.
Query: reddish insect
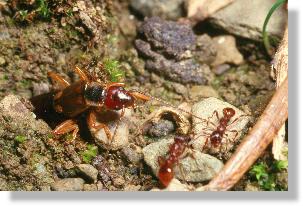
column 88, row 95
column 219, row 133
column 175, row 152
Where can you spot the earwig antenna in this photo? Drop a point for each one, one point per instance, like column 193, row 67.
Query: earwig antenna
column 168, row 104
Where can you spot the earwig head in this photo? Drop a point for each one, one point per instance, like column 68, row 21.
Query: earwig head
column 118, row 98
column 228, row 112
column 94, row 93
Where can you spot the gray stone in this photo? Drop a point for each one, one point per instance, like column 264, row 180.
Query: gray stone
column 167, row 9
column 196, row 167
column 88, row 171
column 227, row 51
column 206, row 50
column 68, row 184
column 205, row 109
column 168, row 48
column 161, row 128
column 90, row 187
column 118, row 181
column 245, row 18
column 201, row 91
column 133, row 153
column 169, row 37
column 132, row 188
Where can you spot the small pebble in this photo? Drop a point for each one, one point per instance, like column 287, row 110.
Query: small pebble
column 175, row 185
column 90, row 187
column 68, row 184
column 132, row 188
column 2, row 61
column 133, row 153
column 118, row 181
column 200, row 91
column 88, row 171
column 227, row 51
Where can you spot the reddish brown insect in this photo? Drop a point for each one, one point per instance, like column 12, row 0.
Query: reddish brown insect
column 89, row 94
column 176, row 149
column 218, row 134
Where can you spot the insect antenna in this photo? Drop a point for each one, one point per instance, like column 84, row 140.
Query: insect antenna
column 169, row 105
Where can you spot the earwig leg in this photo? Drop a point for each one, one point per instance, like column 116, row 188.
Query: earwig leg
column 81, row 74
column 62, row 83
column 66, row 127
column 115, row 84
column 91, row 120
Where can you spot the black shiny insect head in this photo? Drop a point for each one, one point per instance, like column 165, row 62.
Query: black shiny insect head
column 94, row 92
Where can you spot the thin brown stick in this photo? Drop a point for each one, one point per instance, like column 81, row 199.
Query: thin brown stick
column 254, row 143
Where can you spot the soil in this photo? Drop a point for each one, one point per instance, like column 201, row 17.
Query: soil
column 77, row 33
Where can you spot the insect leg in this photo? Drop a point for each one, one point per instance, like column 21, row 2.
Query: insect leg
column 83, row 76
column 66, row 127
column 62, row 83
column 91, row 120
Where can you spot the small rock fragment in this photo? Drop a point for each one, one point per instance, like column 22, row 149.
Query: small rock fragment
column 206, row 50
column 133, row 153
column 201, row 9
column 161, row 128
column 205, row 109
column 40, row 88
column 197, row 167
column 168, row 47
column 132, row 188
column 167, row 9
column 118, row 181
column 175, row 185
column 68, row 184
column 245, row 18
column 90, row 187
column 2, row 61
column 174, row 39
column 227, row 51
column 88, row 171
column 220, row 69
column 200, row 91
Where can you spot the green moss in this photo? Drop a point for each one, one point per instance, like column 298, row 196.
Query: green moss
column 43, row 9
column 89, row 153
column 267, row 176
column 113, row 68
column 280, row 165
column 20, row 139
column 23, row 15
